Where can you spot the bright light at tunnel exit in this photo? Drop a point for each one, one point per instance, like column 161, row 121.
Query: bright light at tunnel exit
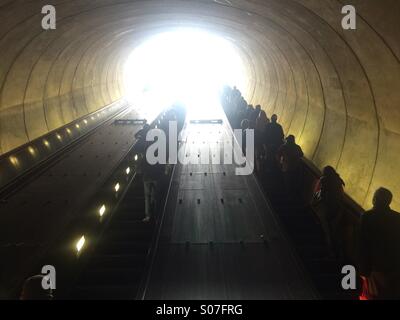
column 185, row 65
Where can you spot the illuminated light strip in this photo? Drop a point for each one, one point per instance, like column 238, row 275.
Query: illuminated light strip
column 31, row 150
column 79, row 245
column 102, row 210
column 14, row 160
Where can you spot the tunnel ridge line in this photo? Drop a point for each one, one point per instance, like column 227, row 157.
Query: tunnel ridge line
column 389, row 47
column 373, row 100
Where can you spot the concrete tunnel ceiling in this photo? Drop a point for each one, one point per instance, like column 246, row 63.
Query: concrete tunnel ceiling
column 337, row 91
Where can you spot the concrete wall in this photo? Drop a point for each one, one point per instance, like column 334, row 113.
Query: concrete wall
column 338, row 91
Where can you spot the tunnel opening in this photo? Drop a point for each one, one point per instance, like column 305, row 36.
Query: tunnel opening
column 186, row 65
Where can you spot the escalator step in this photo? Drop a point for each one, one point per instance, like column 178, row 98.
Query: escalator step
column 117, row 261
column 103, row 292
column 323, row 267
column 111, row 276
column 312, row 252
column 123, row 248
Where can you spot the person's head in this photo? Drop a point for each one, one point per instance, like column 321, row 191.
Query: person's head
column 274, row 118
column 290, row 139
column 382, row 198
column 328, row 171
column 245, row 124
column 33, row 289
column 258, row 107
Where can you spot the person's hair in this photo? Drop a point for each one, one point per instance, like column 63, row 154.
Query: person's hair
column 258, row 107
column 291, row 139
column 274, row 118
column 330, row 172
column 33, row 290
column 245, row 124
column 382, row 198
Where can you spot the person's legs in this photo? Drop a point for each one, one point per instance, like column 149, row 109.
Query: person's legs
column 150, row 198
column 153, row 187
column 147, row 199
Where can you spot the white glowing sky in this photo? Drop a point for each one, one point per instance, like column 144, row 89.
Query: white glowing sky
column 186, row 65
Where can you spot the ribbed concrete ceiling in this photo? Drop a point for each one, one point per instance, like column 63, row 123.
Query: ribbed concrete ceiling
column 338, row 91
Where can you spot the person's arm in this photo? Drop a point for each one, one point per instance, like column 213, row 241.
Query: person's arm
column 301, row 153
column 281, row 133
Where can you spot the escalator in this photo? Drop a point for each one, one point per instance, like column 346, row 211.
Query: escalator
column 116, row 265
column 303, row 228
column 113, row 268
column 307, row 236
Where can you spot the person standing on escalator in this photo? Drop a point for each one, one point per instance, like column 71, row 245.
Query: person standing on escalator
column 274, row 138
column 328, row 200
column 151, row 175
column 289, row 157
column 379, row 249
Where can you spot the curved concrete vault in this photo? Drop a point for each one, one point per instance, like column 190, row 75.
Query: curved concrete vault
column 338, row 91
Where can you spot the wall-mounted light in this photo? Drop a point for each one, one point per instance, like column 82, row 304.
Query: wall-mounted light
column 116, row 187
column 102, row 210
column 85, row 121
column 136, row 157
column 14, row 160
column 46, row 143
column 80, row 243
column 128, row 170
column 32, row 151
column 68, row 130
column 77, row 126
column 58, row 137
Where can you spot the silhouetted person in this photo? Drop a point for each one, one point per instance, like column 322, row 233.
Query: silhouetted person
column 274, row 139
column 260, row 139
column 141, row 137
column 33, row 289
column 289, row 156
column 275, row 135
column 245, row 124
column 241, row 114
column 328, row 197
column 253, row 116
column 151, row 173
column 379, row 248
column 249, row 113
